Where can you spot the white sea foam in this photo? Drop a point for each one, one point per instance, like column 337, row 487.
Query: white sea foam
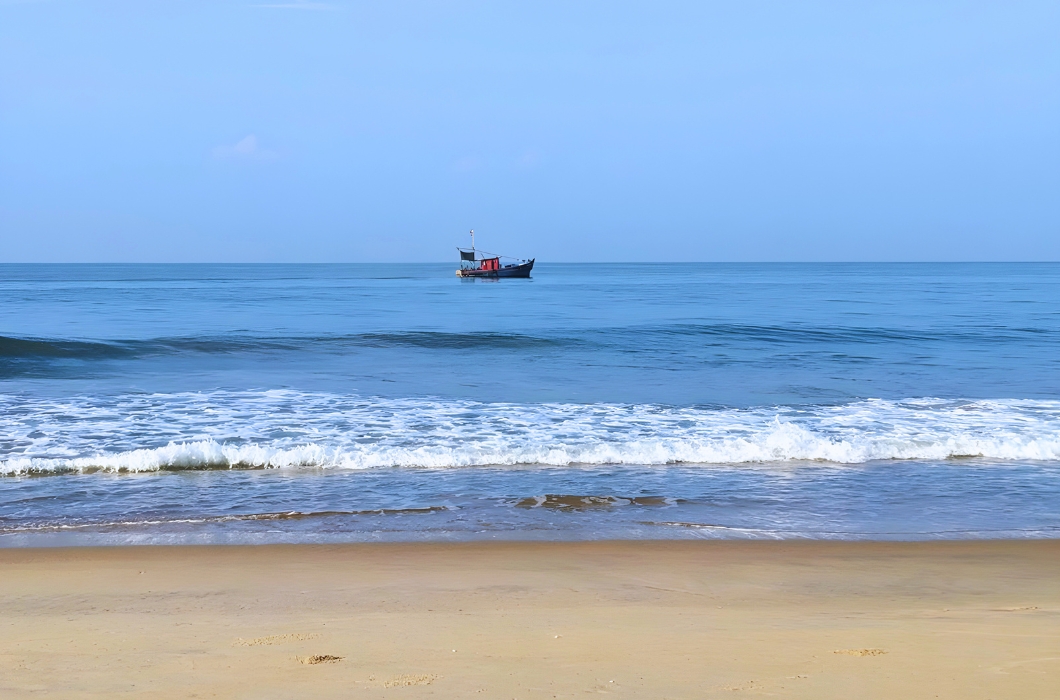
column 280, row 429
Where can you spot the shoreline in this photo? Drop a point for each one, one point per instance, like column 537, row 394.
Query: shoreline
column 642, row 618
column 794, row 541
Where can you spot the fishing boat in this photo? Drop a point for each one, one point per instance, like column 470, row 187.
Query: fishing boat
column 478, row 263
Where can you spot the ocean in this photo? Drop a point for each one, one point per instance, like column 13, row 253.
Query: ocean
column 328, row 403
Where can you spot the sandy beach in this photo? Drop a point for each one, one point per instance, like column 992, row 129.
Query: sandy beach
column 524, row 620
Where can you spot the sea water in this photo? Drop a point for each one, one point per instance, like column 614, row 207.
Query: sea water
column 323, row 403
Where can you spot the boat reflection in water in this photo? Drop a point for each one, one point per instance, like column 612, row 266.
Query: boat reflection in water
column 476, row 263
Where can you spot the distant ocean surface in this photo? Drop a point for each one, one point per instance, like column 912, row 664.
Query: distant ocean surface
column 327, row 403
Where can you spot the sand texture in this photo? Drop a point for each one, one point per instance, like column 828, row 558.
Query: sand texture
column 960, row 620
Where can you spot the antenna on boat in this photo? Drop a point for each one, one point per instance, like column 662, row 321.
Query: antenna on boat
column 472, row 239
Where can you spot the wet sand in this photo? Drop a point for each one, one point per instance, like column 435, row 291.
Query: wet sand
column 958, row 620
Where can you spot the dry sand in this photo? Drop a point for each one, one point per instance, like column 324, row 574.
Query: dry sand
column 958, row 620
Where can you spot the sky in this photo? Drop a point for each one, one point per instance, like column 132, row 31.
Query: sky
column 336, row 131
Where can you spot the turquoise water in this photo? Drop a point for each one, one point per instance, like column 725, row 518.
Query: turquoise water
column 222, row 403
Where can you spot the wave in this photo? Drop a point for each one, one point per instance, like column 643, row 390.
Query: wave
column 208, row 519
column 46, row 348
column 289, row 429
column 29, row 348
column 793, row 334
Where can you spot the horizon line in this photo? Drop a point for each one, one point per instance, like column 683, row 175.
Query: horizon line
column 552, row 262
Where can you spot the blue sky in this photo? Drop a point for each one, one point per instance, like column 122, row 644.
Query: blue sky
column 569, row 131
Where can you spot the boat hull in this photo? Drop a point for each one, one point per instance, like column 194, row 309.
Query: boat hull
column 522, row 270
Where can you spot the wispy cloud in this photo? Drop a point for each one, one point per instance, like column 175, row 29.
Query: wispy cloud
column 530, row 158
column 245, row 149
column 299, row 5
column 467, row 164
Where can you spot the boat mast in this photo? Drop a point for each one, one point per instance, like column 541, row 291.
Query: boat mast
column 472, row 240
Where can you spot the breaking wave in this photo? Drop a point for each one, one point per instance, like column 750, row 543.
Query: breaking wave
column 287, row 429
